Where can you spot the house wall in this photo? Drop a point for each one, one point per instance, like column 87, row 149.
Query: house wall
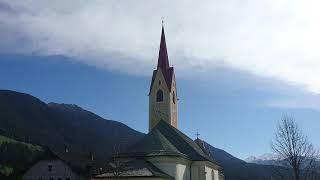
column 202, row 170
column 195, row 172
column 176, row 167
column 211, row 173
column 59, row 170
column 208, row 173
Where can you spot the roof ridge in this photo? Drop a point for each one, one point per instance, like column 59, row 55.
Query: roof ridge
column 154, row 141
column 167, row 142
column 193, row 145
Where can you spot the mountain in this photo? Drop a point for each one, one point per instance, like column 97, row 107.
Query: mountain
column 28, row 119
column 265, row 159
column 272, row 159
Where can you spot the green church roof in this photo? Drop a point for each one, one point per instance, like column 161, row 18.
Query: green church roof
column 138, row 168
column 153, row 142
column 165, row 139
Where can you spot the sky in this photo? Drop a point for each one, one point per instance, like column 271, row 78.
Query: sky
column 240, row 65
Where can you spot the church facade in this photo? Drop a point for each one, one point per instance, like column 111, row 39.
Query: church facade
column 165, row 152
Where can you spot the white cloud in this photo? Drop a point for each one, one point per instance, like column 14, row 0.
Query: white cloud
column 271, row 38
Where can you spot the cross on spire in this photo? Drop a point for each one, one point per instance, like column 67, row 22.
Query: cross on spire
column 163, row 61
column 197, row 134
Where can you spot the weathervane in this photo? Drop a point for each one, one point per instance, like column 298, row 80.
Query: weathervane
column 162, row 20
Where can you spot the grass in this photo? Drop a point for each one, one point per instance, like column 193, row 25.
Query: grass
column 31, row 147
column 16, row 157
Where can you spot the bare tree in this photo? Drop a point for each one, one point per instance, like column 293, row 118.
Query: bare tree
column 294, row 150
column 117, row 164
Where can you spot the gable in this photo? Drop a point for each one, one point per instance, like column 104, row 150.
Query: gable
column 168, row 75
column 48, row 168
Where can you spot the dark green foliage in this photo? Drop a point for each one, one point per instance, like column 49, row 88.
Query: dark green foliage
column 16, row 157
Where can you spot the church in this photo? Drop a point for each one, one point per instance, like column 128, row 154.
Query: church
column 165, row 152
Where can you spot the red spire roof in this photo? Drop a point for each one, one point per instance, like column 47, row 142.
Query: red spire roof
column 163, row 64
column 163, row 61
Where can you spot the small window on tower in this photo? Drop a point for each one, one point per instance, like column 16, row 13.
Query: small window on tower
column 159, row 95
column 174, row 97
column 159, row 82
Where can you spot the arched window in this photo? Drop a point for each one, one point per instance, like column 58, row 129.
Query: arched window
column 174, row 97
column 159, row 95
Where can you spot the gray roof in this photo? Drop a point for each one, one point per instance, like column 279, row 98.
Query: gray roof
column 134, row 168
column 165, row 139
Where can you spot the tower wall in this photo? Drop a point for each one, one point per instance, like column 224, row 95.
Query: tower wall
column 159, row 110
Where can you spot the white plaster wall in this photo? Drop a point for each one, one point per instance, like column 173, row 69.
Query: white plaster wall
column 203, row 170
column 211, row 173
column 175, row 167
column 59, row 170
column 216, row 174
column 208, row 173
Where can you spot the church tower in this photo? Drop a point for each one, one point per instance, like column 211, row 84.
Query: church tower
column 163, row 94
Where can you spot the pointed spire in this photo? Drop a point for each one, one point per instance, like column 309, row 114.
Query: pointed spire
column 163, row 61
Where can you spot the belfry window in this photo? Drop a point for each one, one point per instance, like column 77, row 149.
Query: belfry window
column 159, row 95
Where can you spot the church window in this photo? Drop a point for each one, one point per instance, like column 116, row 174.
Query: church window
column 174, row 97
column 159, row 82
column 159, row 95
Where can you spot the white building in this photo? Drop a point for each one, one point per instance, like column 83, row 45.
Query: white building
column 55, row 167
column 165, row 152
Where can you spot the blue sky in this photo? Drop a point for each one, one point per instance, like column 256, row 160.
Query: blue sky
column 230, row 110
column 240, row 66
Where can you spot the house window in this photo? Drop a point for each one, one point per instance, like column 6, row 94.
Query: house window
column 67, row 178
column 51, row 178
column 49, row 168
column 40, row 178
column 159, row 95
